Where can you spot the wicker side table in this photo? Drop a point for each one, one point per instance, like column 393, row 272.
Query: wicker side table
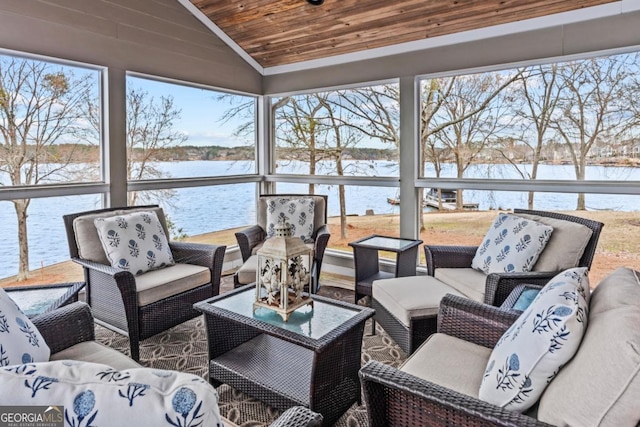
column 38, row 299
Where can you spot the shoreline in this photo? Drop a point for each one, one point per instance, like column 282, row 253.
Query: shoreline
column 619, row 243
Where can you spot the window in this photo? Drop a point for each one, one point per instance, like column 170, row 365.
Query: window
column 50, row 134
column 179, row 131
column 346, row 133
column 51, row 122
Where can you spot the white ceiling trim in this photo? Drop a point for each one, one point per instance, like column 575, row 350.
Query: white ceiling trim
column 580, row 15
column 222, row 35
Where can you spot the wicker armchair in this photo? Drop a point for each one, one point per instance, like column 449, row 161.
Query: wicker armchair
column 70, row 331
column 252, row 238
column 396, row 398
column 113, row 293
column 443, row 381
column 498, row 286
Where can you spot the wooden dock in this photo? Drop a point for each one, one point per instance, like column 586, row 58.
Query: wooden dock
column 449, row 206
column 431, row 202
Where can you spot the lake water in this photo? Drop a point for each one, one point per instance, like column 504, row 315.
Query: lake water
column 201, row 210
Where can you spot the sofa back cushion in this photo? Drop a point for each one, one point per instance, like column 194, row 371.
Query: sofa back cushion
column 512, row 245
column 601, row 384
column 20, row 340
column 565, row 246
column 532, row 351
column 98, row 395
column 87, row 240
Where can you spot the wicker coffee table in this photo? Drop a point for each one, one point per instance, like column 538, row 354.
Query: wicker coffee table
column 311, row 360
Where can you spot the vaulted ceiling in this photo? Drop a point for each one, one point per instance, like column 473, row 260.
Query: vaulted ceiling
column 282, row 32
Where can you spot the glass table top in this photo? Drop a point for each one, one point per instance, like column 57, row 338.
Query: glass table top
column 36, row 301
column 387, row 243
column 312, row 322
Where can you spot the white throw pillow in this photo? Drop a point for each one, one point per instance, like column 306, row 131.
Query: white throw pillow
column 93, row 394
column 20, row 340
column 134, row 242
column 298, row 212
column 545, row 337
column 512, row 245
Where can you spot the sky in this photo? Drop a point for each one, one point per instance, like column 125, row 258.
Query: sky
column 201, row 112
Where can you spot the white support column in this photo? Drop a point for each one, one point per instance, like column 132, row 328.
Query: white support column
column 409, row 155
column 264, row 149
column 115, row 136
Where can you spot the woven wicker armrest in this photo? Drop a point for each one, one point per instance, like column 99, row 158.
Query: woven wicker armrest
column 472, row 321
column 499, row 285
column 109, row 276
column 103, row 268
column 248, row 238
column 395, row 398
column 66, row 326
column 448, row 257
column 196, row 253
column 298, row 416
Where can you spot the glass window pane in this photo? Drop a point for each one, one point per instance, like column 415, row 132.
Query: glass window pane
column 350, row 132
column 51, row 121
column 563, row 121
column 618, row 245
column 47, row 241
column 179, row 131
column 205, row 214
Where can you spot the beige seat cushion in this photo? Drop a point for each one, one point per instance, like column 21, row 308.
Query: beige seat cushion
column 413, row 296
column 92, row 351
column 450, row 362
column 156, row 285
column 600, row 386
column 468, row 281
column 566, row 245
column 89, row 245
column 247, row 272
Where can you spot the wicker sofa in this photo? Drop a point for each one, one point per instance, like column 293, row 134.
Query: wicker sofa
column 69, row 332
column 442, row 386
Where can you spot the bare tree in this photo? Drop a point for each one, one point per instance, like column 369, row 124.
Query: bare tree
column 150, row 129
column 41, row 106
column 591, row 107
column 470, row 115
column 537, row 94
column 313, row 129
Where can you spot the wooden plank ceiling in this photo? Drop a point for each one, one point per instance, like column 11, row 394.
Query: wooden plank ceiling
column 279, row 32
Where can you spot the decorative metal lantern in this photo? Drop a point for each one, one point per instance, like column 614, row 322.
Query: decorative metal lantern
column 283, row 272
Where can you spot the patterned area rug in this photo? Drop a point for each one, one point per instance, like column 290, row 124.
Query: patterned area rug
column 184, row 348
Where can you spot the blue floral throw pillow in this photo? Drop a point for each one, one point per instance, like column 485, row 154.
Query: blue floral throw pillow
column 93, row 394
column 134, row 242
column 545, row 337
column 512, row 245
column 298, row 212
column 20, row 341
